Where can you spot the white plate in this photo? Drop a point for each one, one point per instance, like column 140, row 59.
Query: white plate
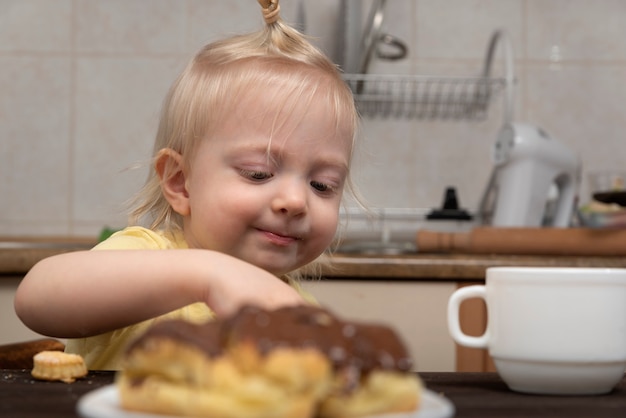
column 105, row 403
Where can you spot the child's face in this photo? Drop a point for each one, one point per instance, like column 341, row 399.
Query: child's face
column 278, row 211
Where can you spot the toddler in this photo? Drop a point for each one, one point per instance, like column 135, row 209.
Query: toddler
column 251, row 159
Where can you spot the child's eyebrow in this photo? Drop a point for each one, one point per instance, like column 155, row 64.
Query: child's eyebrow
column 274, row 155
column 255, row 148
column 339, row 163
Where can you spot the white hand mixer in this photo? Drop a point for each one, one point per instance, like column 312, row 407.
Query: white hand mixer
column 535, row 178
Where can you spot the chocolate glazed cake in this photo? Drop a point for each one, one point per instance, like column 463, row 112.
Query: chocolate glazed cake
column 292, row 362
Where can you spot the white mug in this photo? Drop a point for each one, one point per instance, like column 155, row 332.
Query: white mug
column 551, row 330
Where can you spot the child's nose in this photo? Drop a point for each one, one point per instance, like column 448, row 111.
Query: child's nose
column 290, row 199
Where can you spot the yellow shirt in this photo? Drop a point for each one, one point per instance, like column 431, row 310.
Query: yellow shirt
column 104, row 351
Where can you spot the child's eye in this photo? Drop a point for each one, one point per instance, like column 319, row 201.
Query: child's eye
column 321, row 187
column 256, row 175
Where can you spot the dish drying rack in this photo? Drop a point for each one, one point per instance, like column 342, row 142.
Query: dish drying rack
column 432, row 97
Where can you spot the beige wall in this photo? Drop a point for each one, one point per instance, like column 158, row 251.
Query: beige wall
column 81, row 82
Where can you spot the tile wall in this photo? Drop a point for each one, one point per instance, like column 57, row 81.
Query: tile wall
column 81, row 83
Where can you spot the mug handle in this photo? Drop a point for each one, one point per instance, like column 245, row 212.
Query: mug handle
column 454, row 326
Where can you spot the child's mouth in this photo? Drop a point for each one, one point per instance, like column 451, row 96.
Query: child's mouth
column 279, row 239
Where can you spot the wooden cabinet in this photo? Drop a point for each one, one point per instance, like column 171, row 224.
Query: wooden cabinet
column 473, row 319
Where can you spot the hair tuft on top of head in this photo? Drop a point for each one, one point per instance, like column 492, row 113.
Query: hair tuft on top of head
column 271, row 10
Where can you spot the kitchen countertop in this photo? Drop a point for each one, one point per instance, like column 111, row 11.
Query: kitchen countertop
column 17, row 256
column 18, row 259
column 457, row 267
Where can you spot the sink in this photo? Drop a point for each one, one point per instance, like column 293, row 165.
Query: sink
column 388, row 231
column 377, row 248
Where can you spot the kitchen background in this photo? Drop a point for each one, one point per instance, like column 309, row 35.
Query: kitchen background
column 82, row 82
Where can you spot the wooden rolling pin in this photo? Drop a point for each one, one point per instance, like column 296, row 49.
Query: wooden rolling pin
column 526, row 241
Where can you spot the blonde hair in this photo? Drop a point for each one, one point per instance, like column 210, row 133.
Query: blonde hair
column 218, row 77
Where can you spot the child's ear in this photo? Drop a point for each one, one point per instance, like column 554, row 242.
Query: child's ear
column 169, row 167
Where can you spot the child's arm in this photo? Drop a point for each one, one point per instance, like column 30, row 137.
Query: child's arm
column 86, row 293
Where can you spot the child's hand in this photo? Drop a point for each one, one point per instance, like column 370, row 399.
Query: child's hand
column 241, row 283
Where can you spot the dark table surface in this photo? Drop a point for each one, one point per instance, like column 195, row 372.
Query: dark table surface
column 473, row 395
